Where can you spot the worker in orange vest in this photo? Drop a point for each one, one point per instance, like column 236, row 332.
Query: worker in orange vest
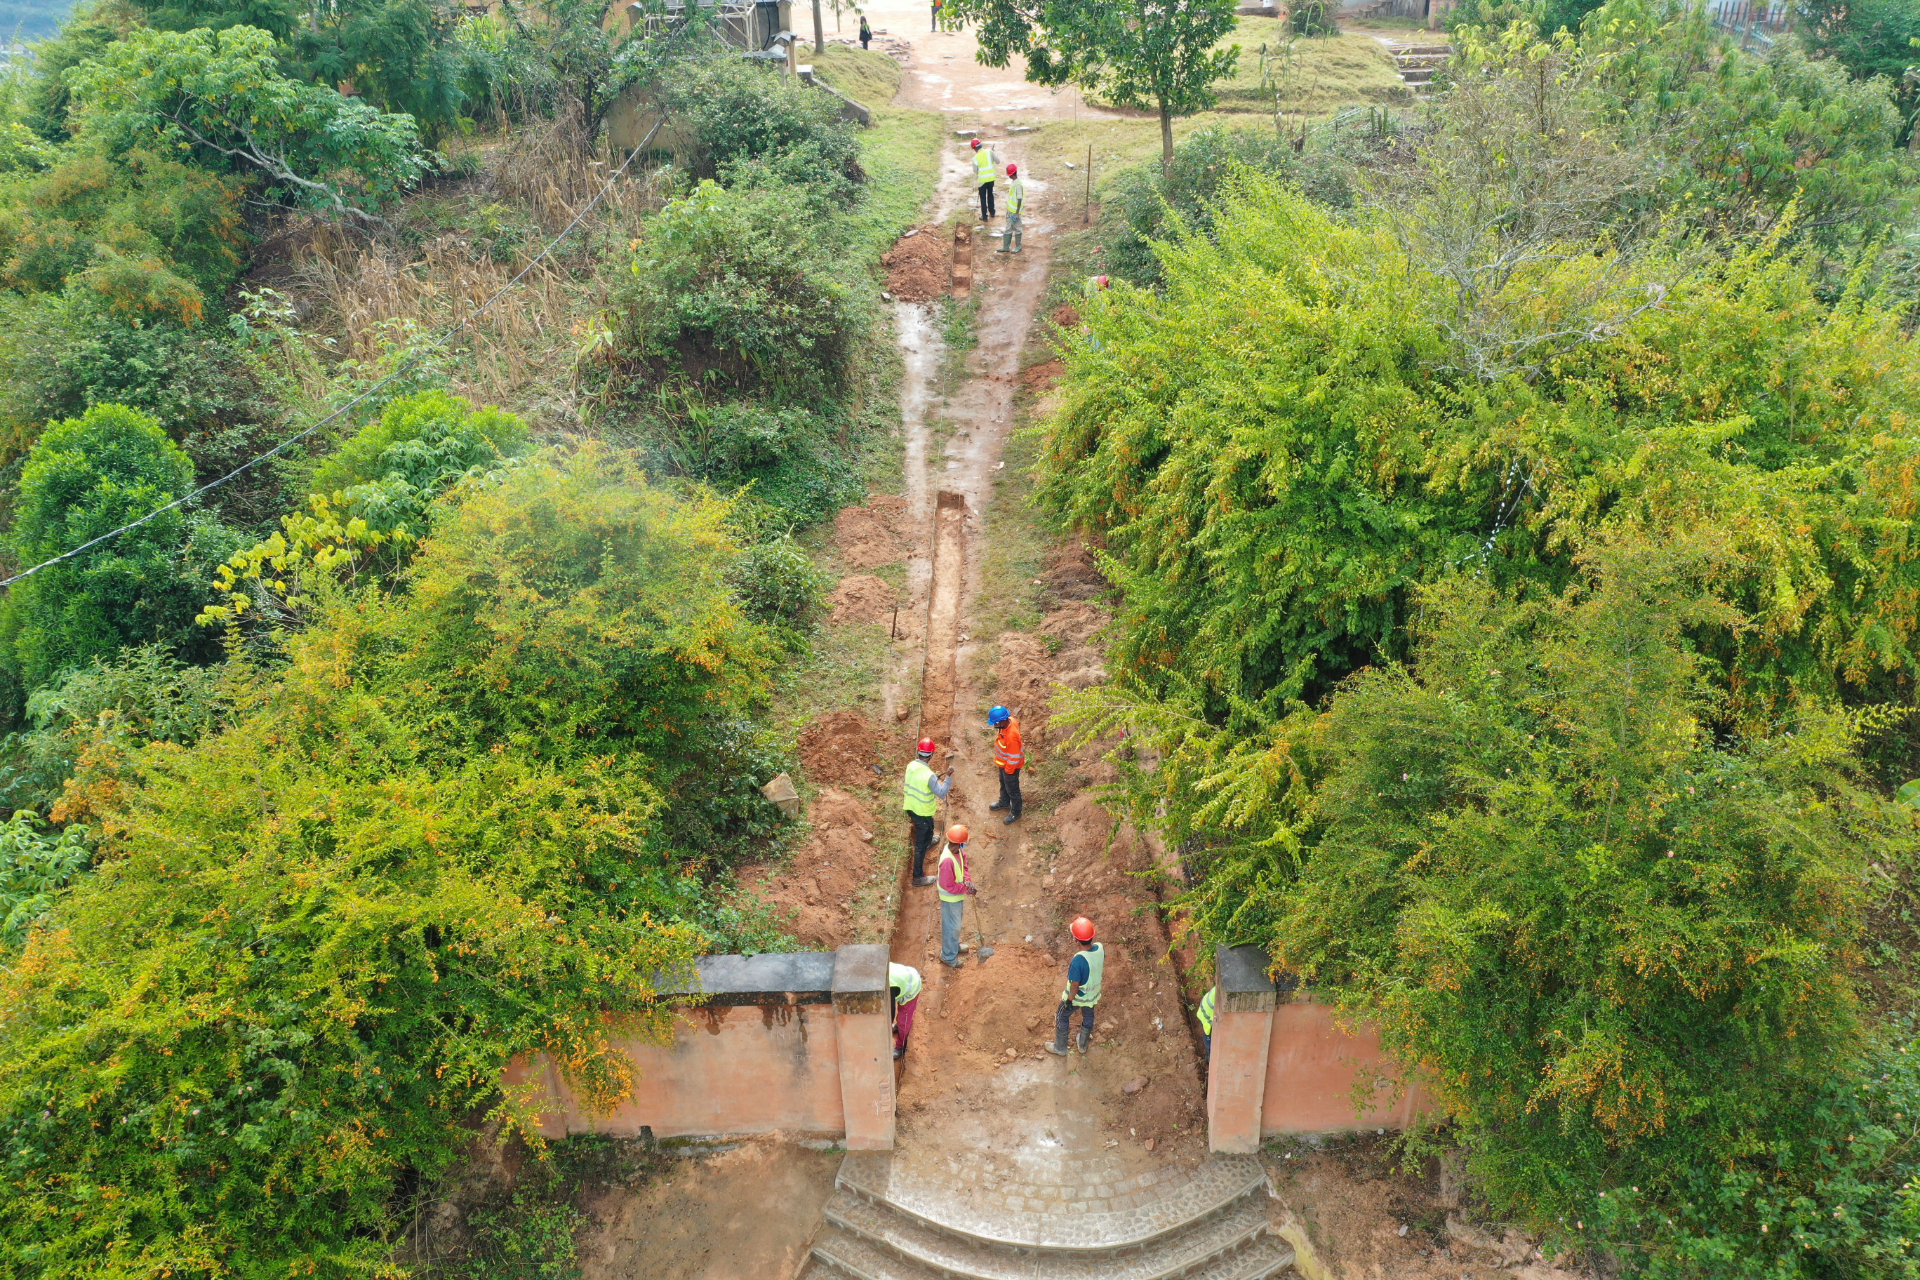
column 1009, row 753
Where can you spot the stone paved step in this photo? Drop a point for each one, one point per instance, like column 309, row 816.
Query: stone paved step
column 1181, row 1254
column 1166, row 1208
column 838, row 1254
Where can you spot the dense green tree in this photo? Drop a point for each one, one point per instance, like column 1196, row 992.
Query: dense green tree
column 1155, row 55
column 85, row 477
column 437, row 832
column 1612, row 941
column 222, row 99
column 1870, row 38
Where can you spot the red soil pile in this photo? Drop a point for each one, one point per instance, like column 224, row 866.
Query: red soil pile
column 919, row 265
column 870, row 536
column 840, row 749
column 817, row 891
column 863, row 598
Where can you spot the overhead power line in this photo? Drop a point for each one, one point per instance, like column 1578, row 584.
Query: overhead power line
column 418, row 355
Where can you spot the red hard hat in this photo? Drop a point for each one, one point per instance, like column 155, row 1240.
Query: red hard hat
column 926, row 747
column 1012, row 169
column 957, row 834
column 1083, row 929
column 975, row 144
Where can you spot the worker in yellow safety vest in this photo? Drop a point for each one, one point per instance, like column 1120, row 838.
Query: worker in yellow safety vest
column 954, row 888
column 1204, row 1014
column 1016, row 201
column 924, row 792
column 903, row 990
column 986, row 171
column 1082, row 991
column 1009, row 756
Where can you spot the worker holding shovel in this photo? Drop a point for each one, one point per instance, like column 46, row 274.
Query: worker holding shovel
column 954, row 889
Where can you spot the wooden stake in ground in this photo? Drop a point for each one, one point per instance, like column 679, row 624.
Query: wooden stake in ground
column 1086, row 208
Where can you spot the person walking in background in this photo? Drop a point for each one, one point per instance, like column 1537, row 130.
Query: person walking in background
column 903, row 987
column 936, row 15
column 1016, row 201
column 1009, row 753
column 954, row 888
column 986, row 169
column 1083, row 990
column 924, row 792
column 1204, row 1016
column 866, row 32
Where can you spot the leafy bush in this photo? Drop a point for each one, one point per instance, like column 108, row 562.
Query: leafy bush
column 434, row 836
column 85, row 477
column 146, row 693
column 729, row 290
column 787, row 462
column 1280, row 448
column 776, row 583
column 34, row 867
column 1614, row 941
column 423, row 443
column 64, row 355
column 1154, row 202
column 759, row 128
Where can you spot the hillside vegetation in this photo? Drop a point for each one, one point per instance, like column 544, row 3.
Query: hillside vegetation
column 1511, row 514
column 433, row 737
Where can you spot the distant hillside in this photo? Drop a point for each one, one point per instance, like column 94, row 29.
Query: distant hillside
column 32, row 19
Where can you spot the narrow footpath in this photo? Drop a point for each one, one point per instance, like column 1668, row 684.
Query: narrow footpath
column 1002, row 1149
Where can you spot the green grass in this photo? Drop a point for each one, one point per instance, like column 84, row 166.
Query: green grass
column 870, row 79
column 1312, row 74
column 901, row 154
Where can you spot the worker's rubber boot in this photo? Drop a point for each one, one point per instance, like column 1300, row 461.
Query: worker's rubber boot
column 1016, row 240
column 1086, row 1039
column 1058, row 1050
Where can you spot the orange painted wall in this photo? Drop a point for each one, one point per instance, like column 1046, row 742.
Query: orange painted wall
column 739, row 1069
column 1311, row 1069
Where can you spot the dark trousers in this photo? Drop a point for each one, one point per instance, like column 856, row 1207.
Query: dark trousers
column 1010, row 792
column 922, row 841
column 864, row 37
column 1064, row 1019
column 986, row 201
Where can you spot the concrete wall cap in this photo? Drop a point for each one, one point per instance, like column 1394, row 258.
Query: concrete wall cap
column 791, row 977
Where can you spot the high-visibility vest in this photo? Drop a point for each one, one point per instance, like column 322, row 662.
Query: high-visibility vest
column 985, row 168
column 905, row 981
column 1009, row 751
column 1016, row 194
column 1090, row 989
column 1205, row 1012
column 919, row 789
column 958, row 857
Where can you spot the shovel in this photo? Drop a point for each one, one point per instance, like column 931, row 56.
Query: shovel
column 981, row 949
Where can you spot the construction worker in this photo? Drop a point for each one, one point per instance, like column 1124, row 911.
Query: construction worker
column 954, row 888
column 936, row 15
column 1016, row 200
column 1009, row 753
column 903, row 988
column 986, row 169
column 1204, row 1014
column 1083, row 989
column 924, row 792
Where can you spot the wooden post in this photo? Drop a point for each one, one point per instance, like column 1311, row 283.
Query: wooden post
column 1086, row 207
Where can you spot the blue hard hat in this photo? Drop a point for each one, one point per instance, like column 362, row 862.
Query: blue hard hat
column 998, row 716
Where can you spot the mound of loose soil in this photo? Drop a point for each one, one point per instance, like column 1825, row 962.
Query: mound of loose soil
column 870, row 536
column 1075, row 623
column 840, row 749
column 1024, row 676
column 818, row 890
column 1038, row 378
column 919, row 266
column 863, row 598
column 1066, row 316
column 1073, row 575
